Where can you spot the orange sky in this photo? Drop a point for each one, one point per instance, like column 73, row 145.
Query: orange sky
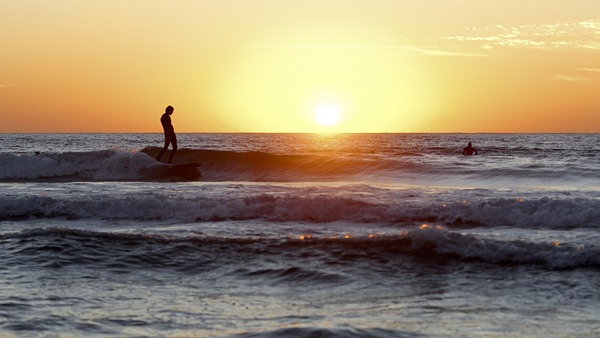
column 268, row 65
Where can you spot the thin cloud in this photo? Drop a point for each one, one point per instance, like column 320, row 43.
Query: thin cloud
column 420, row 50
column 445, row 52
column 595, row 70
column 325, row 47
column 6, row 85
column 574, row 79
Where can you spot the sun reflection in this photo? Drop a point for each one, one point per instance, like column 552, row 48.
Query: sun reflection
column 427, row 226
column 305, row 237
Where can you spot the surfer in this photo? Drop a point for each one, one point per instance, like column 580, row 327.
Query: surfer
column 469, row 150
column 170, row 137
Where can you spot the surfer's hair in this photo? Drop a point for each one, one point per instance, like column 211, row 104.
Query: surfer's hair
column 169, row 109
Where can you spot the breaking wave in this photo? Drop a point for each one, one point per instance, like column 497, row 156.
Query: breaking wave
column 292, row 204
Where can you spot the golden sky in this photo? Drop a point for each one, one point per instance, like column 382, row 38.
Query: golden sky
column 272, row 65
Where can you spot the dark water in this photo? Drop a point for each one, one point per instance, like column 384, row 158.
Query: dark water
column 293, row 235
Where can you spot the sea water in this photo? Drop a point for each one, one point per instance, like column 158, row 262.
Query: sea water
column 300, row 235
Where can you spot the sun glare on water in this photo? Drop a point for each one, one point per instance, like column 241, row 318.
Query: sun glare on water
column 327, row 115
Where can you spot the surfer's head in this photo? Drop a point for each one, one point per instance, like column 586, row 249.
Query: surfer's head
column 169, row 110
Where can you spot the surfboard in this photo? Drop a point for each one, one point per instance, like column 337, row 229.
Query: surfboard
column 188, row 171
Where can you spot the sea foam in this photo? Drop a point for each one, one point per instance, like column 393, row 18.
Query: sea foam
column 107, row 165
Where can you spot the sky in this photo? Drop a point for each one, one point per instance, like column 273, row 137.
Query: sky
column 300, row 66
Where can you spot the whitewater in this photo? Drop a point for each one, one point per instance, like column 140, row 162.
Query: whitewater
column 300, row 235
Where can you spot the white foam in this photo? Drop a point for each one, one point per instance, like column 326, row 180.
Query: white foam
column 124, row 165
column 101, row 165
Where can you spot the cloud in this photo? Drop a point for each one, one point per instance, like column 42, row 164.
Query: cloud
column 583, row 34
column 574, row 79
column 6, row 85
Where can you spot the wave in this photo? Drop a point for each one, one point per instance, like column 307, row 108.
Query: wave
column 257, row 166
column 120, row 165
column 197, row 254
column 315, row 205
column 106, row 165
column 553, row 255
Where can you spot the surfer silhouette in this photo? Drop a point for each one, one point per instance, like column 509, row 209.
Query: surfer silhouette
column 170, row 137
column 469, row 150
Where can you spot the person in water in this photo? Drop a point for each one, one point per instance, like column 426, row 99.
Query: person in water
column 469, row 150
column 170, row 137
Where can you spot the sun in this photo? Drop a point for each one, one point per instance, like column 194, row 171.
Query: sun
column 327, row 115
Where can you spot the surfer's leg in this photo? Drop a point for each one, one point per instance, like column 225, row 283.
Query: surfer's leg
column 174, row 143
column 165, row 147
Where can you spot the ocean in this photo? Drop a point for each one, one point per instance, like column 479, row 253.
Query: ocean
column 300, row 235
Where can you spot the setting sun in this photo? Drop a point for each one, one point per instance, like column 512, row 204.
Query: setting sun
column 327, row 115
